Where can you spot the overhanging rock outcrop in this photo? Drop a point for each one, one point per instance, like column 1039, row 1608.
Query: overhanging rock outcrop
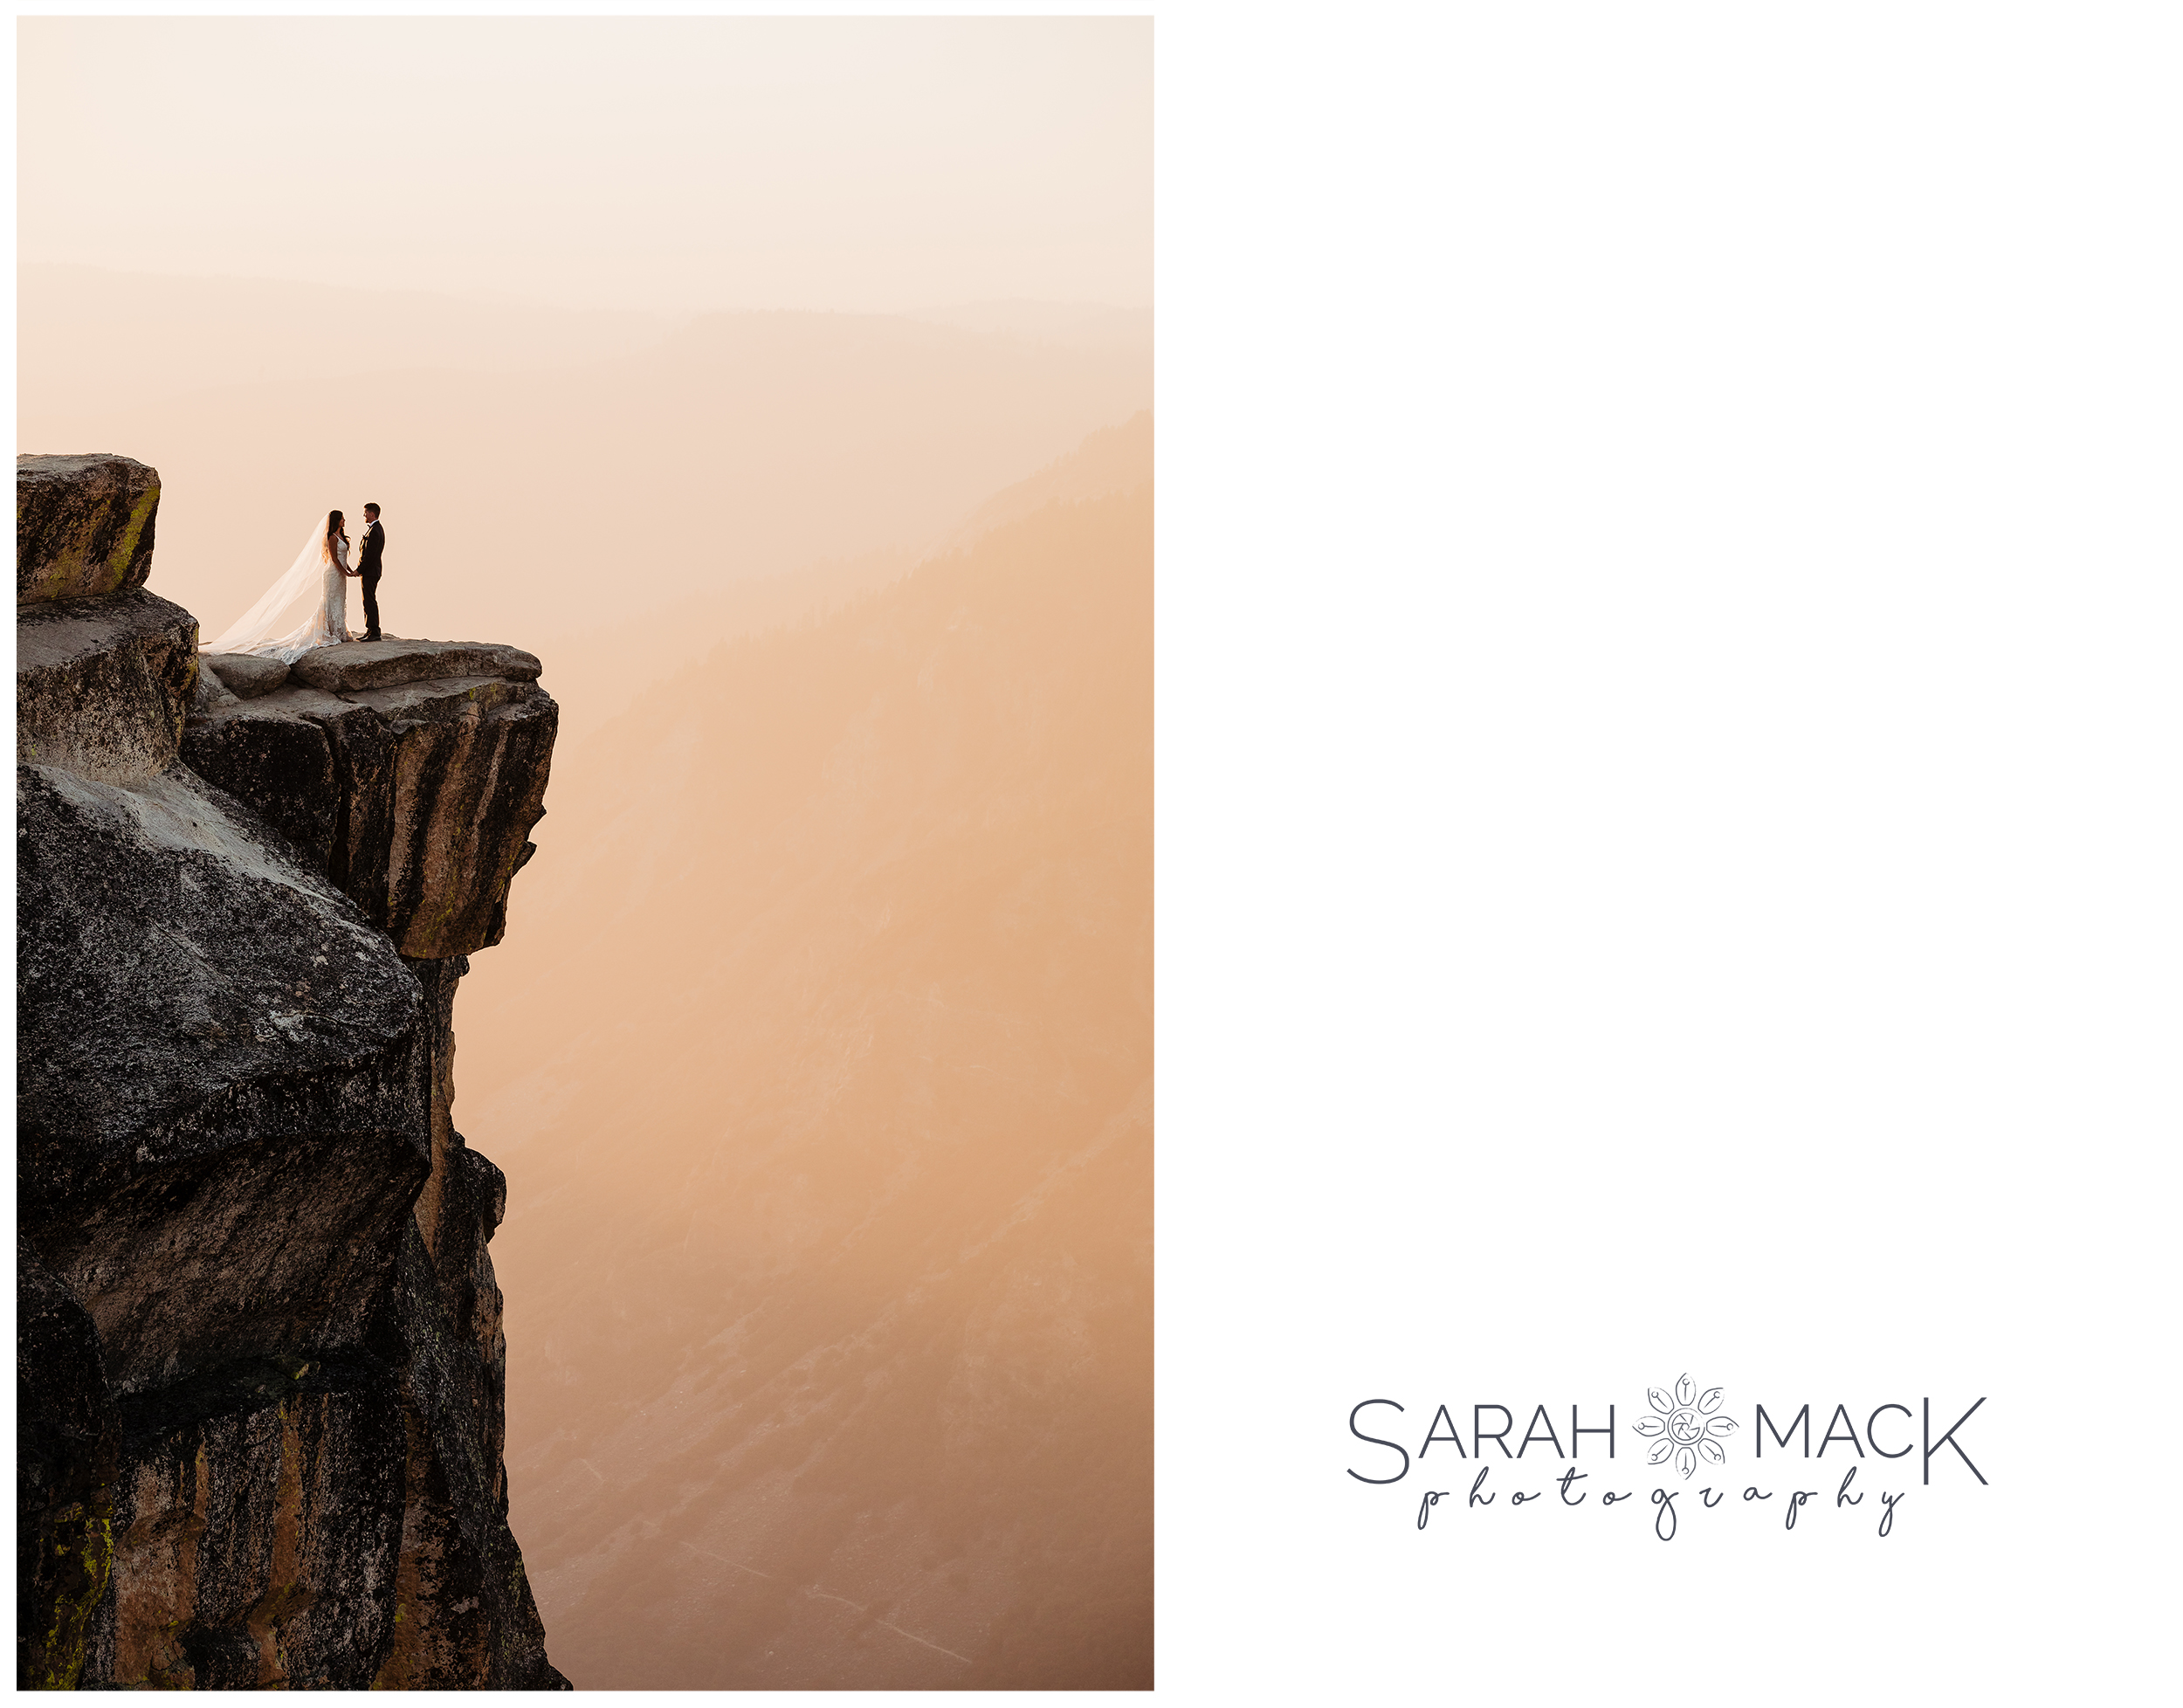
column 410, row 772
column 259, row 1359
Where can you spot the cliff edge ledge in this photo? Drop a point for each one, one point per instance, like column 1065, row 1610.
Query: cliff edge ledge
column 260, row 1370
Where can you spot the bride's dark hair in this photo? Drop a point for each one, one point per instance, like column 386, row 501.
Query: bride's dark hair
column 334, row 526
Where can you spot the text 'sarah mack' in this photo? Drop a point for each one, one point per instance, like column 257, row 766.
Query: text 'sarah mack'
column 262, row 1370
column 1541, row 1432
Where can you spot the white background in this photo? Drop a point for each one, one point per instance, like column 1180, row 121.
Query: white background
column 1668, row 836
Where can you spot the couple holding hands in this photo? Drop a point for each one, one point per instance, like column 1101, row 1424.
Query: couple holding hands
column 324, row 554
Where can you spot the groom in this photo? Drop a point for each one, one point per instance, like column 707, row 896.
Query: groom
column 368, row 567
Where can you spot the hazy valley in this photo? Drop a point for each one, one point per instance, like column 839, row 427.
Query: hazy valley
column 823, row 1063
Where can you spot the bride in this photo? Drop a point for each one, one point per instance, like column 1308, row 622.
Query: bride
column 323, row 560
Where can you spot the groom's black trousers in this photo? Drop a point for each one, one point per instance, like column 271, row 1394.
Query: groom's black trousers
column 371, row 604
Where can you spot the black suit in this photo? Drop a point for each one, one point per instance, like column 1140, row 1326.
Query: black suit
column 368, row 567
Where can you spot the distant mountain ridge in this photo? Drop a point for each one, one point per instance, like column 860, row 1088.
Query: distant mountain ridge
column 601, row 670
column 1114, row 459
column 1045, row 322
column 138, row 337
column 580, row 493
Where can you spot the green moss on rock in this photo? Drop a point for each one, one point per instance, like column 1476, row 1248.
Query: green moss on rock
column 83, row 1546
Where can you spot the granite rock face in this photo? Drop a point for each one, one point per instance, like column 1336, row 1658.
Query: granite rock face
column 102, row 686
column 416, row 798
column 83, row 526
column 244, row 675
column 256, row 1525
column 213, row 1045
column 259, row 1370
column 209, row 693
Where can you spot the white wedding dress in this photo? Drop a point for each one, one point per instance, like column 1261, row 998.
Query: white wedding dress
column 270, row 628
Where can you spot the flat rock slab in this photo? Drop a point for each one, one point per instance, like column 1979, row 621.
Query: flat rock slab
column 83, row 526
column 387, row 663
column 244, row 674
column 102, row 686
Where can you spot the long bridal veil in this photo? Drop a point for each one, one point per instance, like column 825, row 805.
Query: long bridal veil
column 270, row 623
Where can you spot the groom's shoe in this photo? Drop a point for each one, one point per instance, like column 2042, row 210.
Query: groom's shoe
column 372, row 636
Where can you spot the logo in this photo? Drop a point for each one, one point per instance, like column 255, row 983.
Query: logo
column 1682, row 1430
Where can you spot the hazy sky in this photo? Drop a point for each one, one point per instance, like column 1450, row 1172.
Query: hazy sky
column 668, row 164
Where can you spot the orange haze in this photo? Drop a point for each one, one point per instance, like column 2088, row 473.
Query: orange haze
column 820, row 1051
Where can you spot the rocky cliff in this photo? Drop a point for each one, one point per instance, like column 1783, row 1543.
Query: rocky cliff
column 260, row 1368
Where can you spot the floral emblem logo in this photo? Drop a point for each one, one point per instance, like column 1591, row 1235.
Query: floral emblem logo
column 1685, row 1426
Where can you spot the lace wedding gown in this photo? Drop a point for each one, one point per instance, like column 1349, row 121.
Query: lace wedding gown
column 265, row 629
